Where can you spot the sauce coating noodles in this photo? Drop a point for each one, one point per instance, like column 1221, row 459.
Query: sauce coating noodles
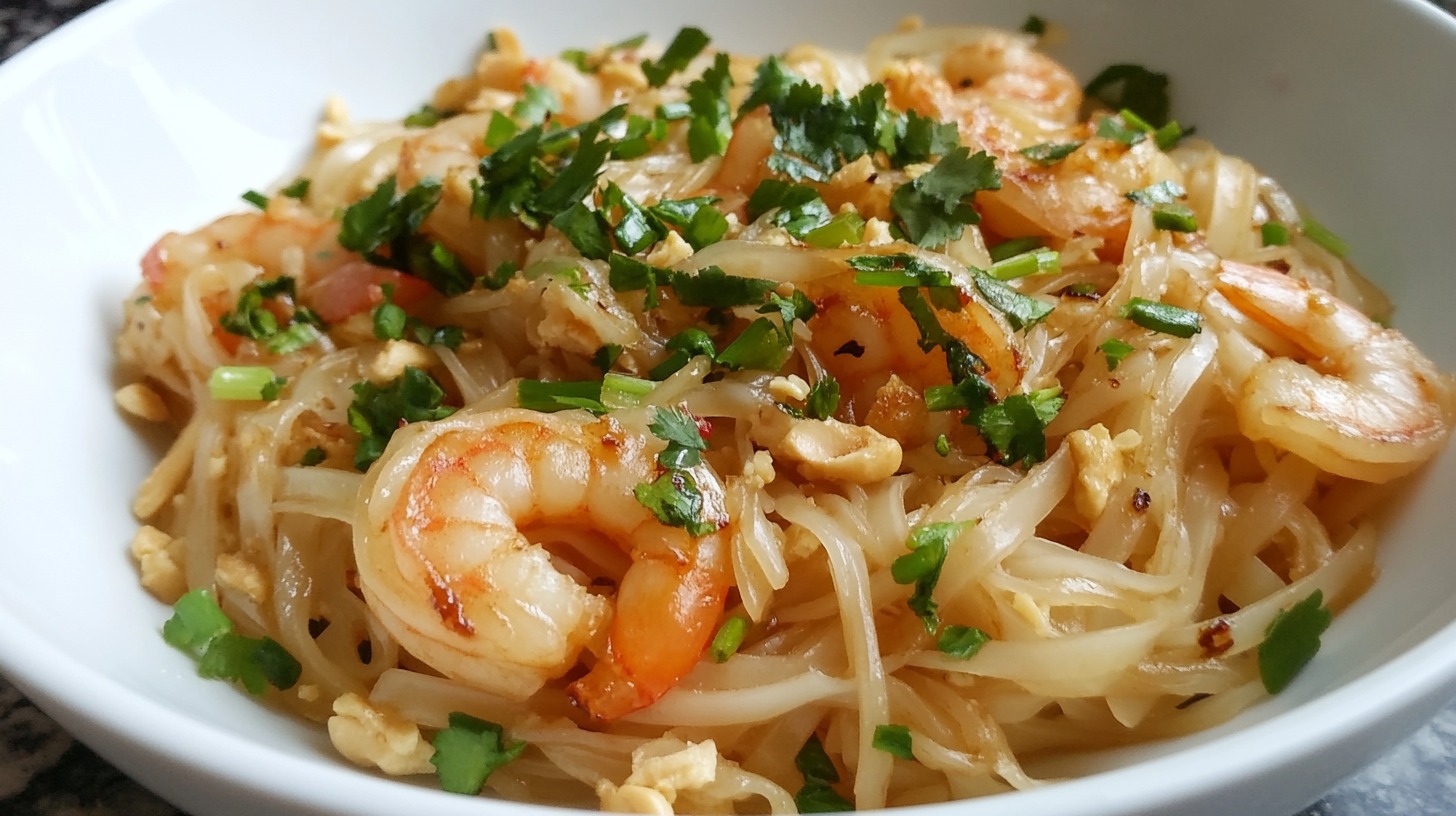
column 678, row 410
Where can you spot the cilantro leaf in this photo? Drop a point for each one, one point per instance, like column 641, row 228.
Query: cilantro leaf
column 1291, row 641
column 771, row 83
column 638, row 228
column 817, row 795
column 426, row 116
column 712, row 123
column 536, row 104
column 1015, row 427
column 898, row 269
column 711, row 286
column 700, row 222
column 823, row 399
column 585, row 229
column 1132, row 87
column 469, row 750
column 676, row 501
column 920, row 138
column 929, row 544
column 1115, row 351
column 1049, row 153
column 762, row 345
column 376, row 412
column 549, row 397
column 935, row 207
column 797, row 306
column 684, row 438
column 685, row 345
column 962, row 642
column 1021, row 310
column 894, row 740
column 298, row 189
column 1164, row 192
column 687, row 44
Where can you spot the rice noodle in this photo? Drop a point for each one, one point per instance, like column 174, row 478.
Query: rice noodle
column 431, row 524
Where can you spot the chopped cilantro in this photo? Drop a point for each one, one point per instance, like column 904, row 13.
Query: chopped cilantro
column 500, row 130
column 846, row 228
column 823, row 399
column 684, row 438
column 894, row 740
column 798, row 207
column 929, row 544
column 700, row 223
column 713, row 287
column 1162, row 317
column 377, row 412
column 712, row 122
column 426, row 116
column 797, row 306
column 818, row 795
column 1034, row 25
column 256, row 198
column 313, row 456
column 685, row 345
column 627, row 274
column 469, row 750
column 1015, row 427
column 637, row 229
column 676, row 501
column 536, row 105
column 606, row 356
column 962, row 642
column 728, row 638
column 1134, row 88
column 497, row 280
column 688, row 43
column 771, row 83
column 1164, row 192
column 942, row 445
column 761, row 346
column 1291, row 641
column 384, row 228
column 1021, row 310
column 920, row 138
column 935, row 207
column 251, row 319
column 1115, row 351
column 1049, row 153
column 298, row 189
column 393, row 323
column 549, row 397
column 817, row 133
column 585, row 229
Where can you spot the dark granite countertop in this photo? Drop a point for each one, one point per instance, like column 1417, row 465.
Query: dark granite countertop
column 44, row 772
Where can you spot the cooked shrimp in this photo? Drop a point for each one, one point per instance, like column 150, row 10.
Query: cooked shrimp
column 285, row 240
column 864, row 334
column 1364, row 403
column 445, row 561
column 1004, row 95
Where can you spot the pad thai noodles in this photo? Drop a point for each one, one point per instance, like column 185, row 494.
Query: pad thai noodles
column 661, row 429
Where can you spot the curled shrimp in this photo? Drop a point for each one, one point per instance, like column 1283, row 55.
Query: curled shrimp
column 284, row 240
column 865, row 334
column 1004, row 95
column 1363, row 403
column 446, row 563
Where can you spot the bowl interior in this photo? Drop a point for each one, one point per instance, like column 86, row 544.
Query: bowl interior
column 128, row 124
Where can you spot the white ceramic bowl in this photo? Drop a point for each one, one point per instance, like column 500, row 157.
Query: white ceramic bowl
column 150, row 115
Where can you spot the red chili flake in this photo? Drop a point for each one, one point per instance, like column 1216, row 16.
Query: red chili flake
column 1215, row 638
column 1140, row 499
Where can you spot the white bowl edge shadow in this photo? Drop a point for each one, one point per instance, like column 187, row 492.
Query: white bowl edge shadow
column 195, row 741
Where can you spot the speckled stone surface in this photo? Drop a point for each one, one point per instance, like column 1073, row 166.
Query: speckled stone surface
column 44, row 772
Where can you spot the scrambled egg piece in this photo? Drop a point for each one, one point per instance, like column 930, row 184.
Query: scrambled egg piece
column 389, row 364
column 240, row 573
column 378, row 737
column 156, row 556
column 1101, row 464
column 661, row 769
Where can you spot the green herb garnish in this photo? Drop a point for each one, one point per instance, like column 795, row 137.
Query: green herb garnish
column 1291, row 641
column 469, row 750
